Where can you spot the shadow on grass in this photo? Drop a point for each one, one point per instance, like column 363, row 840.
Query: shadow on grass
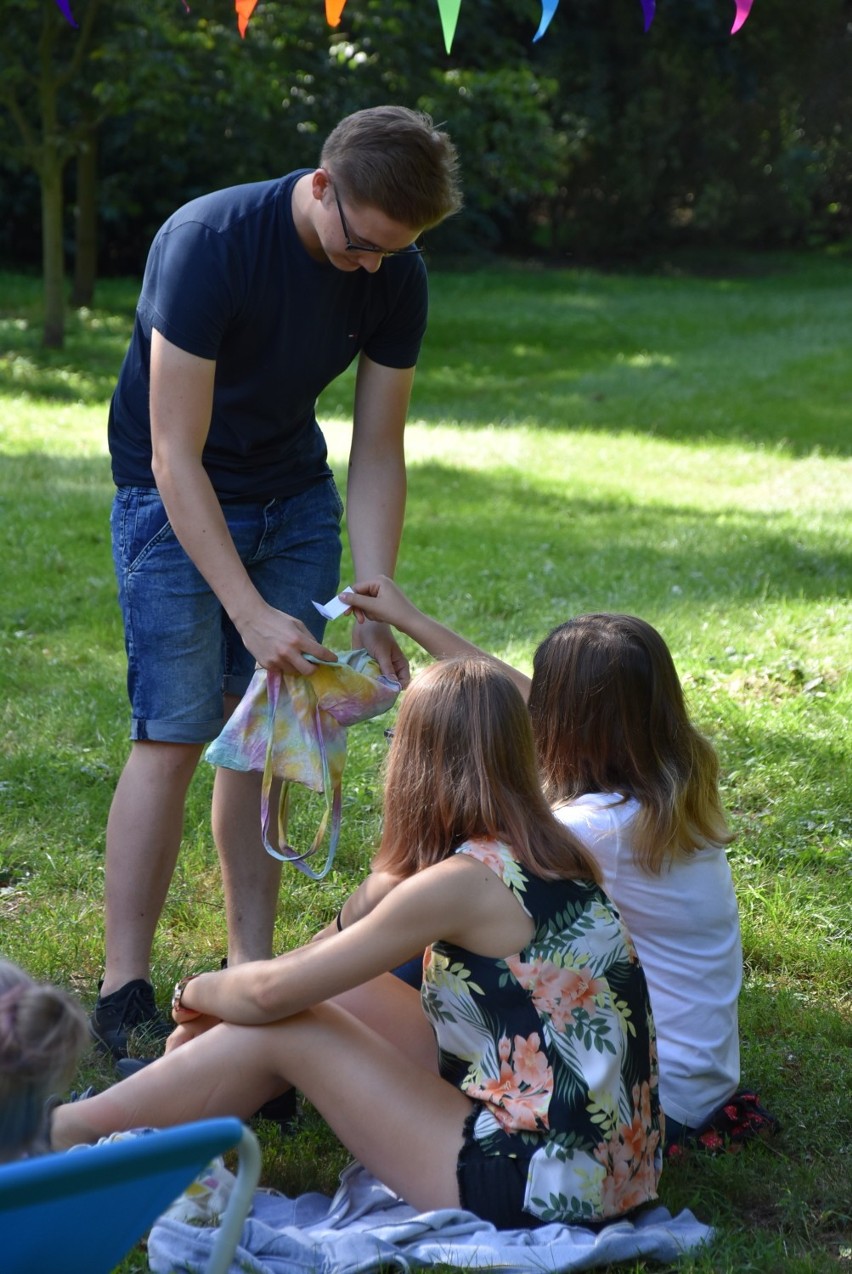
column 787, row 1187
column 759, row 361
column 606, row 554
column 85, row 370
column 751, row 359
column 582, row 554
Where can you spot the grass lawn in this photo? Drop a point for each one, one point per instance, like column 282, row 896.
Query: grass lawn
column 672, row 445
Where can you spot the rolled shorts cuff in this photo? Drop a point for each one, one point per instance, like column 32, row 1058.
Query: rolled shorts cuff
column 236, row 683
column 154, row 731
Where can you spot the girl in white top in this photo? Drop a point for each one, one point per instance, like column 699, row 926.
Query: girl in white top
column 685, row 926
column 628, row 773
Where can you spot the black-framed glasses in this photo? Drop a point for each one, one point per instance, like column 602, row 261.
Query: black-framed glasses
column 413, row 249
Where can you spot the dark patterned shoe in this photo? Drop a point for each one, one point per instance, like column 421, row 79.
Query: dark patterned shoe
column 130, row 1008
column 738, row 1120
column 281, row 1110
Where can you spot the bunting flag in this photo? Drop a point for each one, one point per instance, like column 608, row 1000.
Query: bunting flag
column 743, row 10
column 548, row 8
column 245, row 8
column 333, row 11
column 449, row 13
column 66, row 11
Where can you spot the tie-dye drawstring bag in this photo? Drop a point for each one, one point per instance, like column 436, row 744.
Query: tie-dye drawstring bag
column 293, row 728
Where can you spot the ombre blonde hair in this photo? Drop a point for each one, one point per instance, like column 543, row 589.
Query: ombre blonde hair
column 609, row 715
column 43, row 1032
column 462, row 766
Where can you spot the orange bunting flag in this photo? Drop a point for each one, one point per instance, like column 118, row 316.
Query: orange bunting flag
column 449, row 11
column 245, row 8
column 333, row 11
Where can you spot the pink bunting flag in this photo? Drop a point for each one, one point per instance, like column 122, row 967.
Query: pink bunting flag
column 648, row 8
column 65, row 9
column 334, row 11
column 449, row 11
column 743, row 10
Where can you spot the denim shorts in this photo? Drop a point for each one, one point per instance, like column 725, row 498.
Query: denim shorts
column 183, row 652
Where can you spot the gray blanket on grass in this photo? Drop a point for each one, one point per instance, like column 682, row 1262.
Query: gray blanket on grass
column 366, row 1228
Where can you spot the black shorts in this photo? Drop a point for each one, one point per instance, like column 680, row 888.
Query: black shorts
column 492, row 1186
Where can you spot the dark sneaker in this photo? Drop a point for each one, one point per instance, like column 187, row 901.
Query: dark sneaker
column 282, row 1110
column 91, row 1091
column 127, row 1066
column 129, row 1009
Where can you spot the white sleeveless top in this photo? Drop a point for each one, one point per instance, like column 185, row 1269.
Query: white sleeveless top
column 685, row 925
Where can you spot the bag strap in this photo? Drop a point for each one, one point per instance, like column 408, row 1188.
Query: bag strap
column 333, row 800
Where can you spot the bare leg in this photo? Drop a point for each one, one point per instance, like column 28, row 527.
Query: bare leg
column 251, row 878
column 403, row 1122
column 392, row 1009
column 142, row 843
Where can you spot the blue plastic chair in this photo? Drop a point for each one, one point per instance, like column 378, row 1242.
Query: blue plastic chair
column 82, row 1212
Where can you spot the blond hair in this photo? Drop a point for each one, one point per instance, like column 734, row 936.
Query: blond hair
column 43, row 1031
column 609, row 715
column 462, row 766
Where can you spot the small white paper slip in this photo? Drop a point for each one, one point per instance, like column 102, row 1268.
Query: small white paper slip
column 333, row 608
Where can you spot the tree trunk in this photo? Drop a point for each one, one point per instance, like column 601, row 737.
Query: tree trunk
column 86, row 222
column 50, row 167
column 52, row 255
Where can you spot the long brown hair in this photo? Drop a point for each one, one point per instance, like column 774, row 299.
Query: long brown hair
column 462, row 766
column 609, row 715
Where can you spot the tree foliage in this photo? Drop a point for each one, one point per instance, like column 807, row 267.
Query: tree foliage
column 599, row 141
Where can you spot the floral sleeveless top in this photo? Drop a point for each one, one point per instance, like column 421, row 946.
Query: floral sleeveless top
column 557, row 1043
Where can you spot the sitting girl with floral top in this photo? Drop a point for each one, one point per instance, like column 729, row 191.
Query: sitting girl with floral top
column 522, row 1084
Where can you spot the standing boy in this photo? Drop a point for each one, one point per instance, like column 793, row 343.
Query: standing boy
column 226, row 520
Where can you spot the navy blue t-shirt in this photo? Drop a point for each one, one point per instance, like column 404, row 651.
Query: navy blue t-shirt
column 229, row 279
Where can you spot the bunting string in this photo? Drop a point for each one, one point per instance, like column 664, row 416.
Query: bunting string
column 448, row 11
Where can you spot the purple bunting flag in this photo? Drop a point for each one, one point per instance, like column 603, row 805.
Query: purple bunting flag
column 65, row 9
